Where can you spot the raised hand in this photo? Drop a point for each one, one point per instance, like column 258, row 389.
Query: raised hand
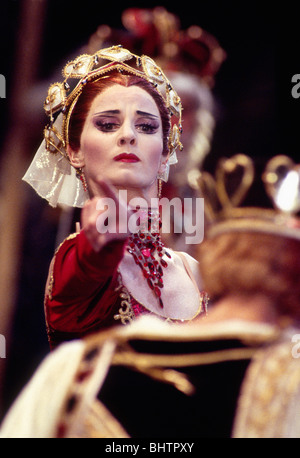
column 105, row 218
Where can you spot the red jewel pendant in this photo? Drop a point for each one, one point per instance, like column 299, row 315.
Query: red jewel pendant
column 143, row 246
column 146, row 252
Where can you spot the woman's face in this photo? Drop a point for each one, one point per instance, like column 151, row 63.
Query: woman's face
column 122, row 141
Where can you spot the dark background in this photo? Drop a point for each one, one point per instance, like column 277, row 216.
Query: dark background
column 253, row 85
column 258, row 116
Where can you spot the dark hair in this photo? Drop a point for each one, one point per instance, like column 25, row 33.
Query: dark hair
column 94, row 88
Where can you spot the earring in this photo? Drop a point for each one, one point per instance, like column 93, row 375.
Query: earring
column 163, row 173
column 159, row 186
column 80, row 175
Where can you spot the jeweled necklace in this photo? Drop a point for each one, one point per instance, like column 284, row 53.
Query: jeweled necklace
column 147, row 250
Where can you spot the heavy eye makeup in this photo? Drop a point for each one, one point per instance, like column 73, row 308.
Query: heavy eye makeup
column 106, row 124
column 148, row 124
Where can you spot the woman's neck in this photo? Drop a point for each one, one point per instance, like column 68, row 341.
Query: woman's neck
column 148, row 196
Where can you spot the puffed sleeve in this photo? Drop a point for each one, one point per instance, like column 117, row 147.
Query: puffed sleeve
column 82, row 285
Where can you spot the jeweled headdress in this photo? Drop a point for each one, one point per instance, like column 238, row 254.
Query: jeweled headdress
column 51, row 173
column 190, row 57
column 223, row 207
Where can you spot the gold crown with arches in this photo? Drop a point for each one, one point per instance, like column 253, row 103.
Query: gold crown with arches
column 225, row 193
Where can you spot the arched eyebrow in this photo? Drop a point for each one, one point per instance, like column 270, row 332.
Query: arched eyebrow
column 148, row 115
column 116, row 112
column 107, row 113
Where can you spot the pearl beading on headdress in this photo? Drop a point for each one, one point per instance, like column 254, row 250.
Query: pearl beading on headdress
column 85, row 68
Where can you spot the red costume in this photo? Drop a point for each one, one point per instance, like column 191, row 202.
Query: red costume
column 84, row 290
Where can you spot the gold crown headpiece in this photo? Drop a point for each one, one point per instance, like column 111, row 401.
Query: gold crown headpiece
column 158, row 33
column 62, row 97
column 51, row 173
column 222, row 198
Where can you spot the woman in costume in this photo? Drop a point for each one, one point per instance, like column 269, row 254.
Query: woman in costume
column 110, row 131
column 191, row 59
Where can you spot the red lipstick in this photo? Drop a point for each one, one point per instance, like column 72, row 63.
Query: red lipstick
column 126, row 157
